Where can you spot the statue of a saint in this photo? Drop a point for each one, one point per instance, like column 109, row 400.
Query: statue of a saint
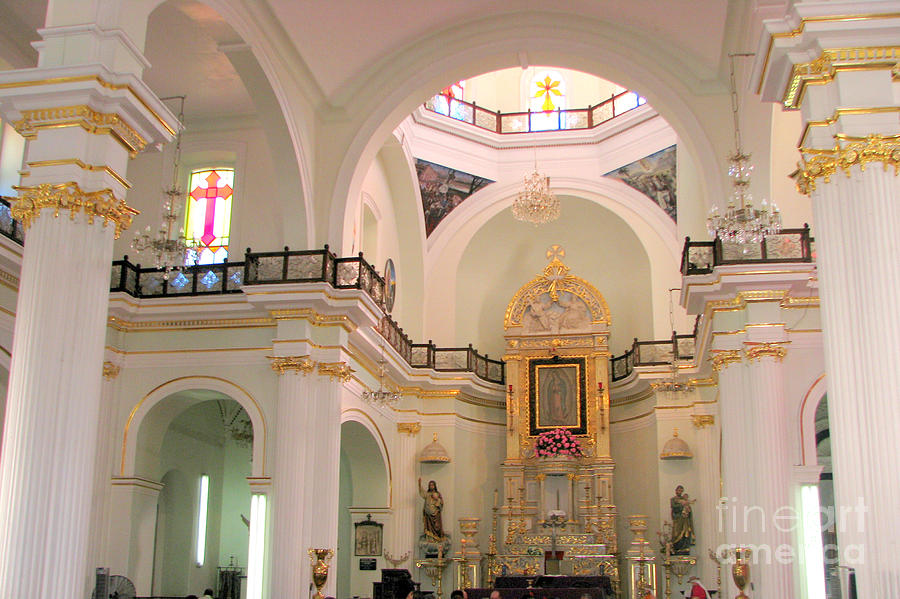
column 682, row 522
column 431, row 511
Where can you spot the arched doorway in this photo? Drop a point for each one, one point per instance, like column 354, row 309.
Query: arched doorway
column 188, row 492
column 826, row 501
column 364, row 492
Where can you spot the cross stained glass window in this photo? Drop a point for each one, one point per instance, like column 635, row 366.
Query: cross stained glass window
column 208, row 213
column 546, row 98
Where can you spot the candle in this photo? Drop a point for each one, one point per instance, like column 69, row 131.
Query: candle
column 496, row 497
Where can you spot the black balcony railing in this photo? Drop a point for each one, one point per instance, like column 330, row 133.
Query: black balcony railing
column 790, row 245
column 9, row 227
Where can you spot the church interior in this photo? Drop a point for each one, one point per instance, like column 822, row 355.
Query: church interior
column 575, row 300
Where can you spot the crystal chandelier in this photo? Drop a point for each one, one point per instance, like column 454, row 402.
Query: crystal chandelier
column 382, row 397
column 536, row 204
column 167, row 252
column 673, row 384
column 742, row 222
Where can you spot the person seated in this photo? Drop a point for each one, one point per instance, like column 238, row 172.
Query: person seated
column 207, row 594
column 459, row 594
column 698, row 591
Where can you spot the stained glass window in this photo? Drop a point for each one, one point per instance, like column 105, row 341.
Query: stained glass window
column 447, row 102
column 208, row 214
column 547, row 97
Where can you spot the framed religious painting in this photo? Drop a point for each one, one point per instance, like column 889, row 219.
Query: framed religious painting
column 367, row 537
column 556, row 395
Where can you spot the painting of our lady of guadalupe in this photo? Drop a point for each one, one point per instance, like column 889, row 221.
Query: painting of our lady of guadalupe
column 557, row 396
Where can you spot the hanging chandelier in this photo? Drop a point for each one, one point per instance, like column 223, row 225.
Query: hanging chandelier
column 168, row 252
column 742, row 222
column 673, row 384
column 382, row 397
column 536, row 204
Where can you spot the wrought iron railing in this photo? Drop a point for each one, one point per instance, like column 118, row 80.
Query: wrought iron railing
column 9, row 227
column 790, row 245
column 531, row 122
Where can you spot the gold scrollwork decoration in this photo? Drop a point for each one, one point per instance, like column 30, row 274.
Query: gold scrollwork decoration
column 832, row 61
column 110, row 370
column 282, row 364
column 766, row 350
column 703, row 420
column 69, row 196
column 858, row 151
column 409, row 428
column 83, row 116
column 336, row 370
column 723, row 358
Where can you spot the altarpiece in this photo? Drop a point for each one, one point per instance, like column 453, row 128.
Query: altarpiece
column 555, row 514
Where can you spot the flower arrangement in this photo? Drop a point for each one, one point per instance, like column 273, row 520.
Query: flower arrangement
column 558, row 442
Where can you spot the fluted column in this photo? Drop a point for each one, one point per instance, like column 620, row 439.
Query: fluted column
column 773, row 531
column 841, row 74
column 290, row 573
column 706, row 448
column 738, row 475
column 323, row 446
column 83, row 121
column 404, row 492
column 857, row 220
column 102, row 473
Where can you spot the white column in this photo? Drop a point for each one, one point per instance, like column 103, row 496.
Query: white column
column 776, row 556
column 706, row 452
column 83, row 121
column 290, row 572
column 841, row 74
column 859, row 266
column 404, row 492
column 324, row 442
column 737, row 464
column 103, row 471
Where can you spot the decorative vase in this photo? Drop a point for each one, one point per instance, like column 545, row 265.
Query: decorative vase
column 320, row 565
column 740, row 570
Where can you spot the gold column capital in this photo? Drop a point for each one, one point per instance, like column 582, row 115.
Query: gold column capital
column 766, row 350
column 69, row 196
column 725, row 357
column 409, row 428
column 336, row 370
column 703, row 420
column 856, row 151
column 540, row 477
column 110, row 370
column 832, row 61
column 282, row 364
column 97, row 123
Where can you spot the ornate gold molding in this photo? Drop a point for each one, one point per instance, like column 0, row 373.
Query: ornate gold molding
column 859, row 151
column 338, row 370
column 315, row 319
column 724, row 357
column 110, row 370
column 83, row 166
column 282, row 364
column 766, row 350
column 69, row 196
column 409, row 428
column 831, row 62
column 842, row 112
column 703, row 420
column 98, row 123
column 126, row 326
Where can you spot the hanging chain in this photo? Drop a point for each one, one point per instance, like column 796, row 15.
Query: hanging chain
column 734, row 103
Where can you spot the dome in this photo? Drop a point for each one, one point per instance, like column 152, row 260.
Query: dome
column 434, row 453
column 676, row 449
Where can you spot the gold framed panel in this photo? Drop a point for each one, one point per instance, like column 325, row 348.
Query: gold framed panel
column 557, row 394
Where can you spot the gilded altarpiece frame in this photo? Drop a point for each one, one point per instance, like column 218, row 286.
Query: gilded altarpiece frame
column 557, row 366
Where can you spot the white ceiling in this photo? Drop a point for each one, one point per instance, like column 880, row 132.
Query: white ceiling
column 339, row 40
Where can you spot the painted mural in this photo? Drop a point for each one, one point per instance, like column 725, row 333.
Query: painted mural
column 654, row 176
column 443, row 189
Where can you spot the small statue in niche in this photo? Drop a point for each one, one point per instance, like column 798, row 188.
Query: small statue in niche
column 682, row 522
column 434, row 542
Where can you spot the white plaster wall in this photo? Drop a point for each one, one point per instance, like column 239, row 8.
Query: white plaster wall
column 258, row 206
column 505, row 254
